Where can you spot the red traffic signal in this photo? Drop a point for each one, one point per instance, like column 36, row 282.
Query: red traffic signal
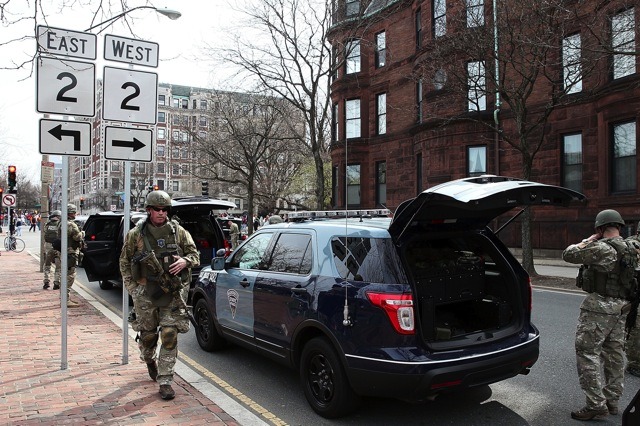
column 156, row 187
column 12, row 177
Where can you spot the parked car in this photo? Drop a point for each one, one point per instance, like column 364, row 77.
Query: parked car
column 104, row 236
column 429, row 302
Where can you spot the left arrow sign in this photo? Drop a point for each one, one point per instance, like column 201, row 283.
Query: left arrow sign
column 65, row 137
column 58, row 133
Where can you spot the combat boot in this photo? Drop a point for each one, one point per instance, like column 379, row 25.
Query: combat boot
column 612, row 406
column 587, row 413
column 72, row 304
column 56, row 286
column 46, row 285
column 152, row 368
column 167, row 392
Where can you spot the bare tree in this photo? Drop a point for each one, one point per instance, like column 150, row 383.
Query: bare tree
column 287, row 52
column 255, row 144
column 530, row 70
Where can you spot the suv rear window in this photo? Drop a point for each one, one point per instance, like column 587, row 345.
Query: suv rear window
column 367, row 259
column 102, row 230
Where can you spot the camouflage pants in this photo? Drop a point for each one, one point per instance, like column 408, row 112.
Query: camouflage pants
column 72, row 262
column 600, row 339
column 52, row 257
column 633, row 346
column 159, row 323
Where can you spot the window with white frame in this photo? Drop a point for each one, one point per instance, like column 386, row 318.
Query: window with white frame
column 571, row 63
column 203, row 104
column 381, row 49
column 572, row 161
column 115, row 166
column 353, row 185
column 475, row 13
column 381, row 113
column 439, row 18
column 335, row 119
column 624, row 157
column 175, row 135
column 352, row 118
column 352, row 63
column 381, row 183
column 175, row 153
column 476, row 160
column 161, row 117
column 419, row 99
column 176, row 103
column 175, row 169
column 160, row 168
column 160, row 150
column 623, row 40
column 161, row 133
column 161, row 99
column 477, row 92
column 175, row 185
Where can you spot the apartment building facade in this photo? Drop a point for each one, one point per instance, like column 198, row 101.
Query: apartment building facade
column 398, row 130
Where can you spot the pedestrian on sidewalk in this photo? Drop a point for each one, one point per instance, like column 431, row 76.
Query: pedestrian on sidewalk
column 599, row 340
column 33, row 220
column 52, row 256
column 155, row 265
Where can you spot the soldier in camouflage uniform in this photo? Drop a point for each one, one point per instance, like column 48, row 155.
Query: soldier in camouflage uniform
column 155, row 264
column 52, row 256
column 633, row 339
column 75, row 240
column 600, row 331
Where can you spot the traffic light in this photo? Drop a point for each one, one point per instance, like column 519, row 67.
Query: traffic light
column 12, row 179
column 1, row 192
column 81, row 202
column 156, row 187
column 205, row 187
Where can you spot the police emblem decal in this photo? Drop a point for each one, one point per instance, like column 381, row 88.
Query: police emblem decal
column 161, row 242
column 233, row 295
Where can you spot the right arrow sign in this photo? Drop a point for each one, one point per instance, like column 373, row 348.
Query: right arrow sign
column 124, row 143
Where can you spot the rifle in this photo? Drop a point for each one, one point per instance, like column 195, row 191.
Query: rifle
column 166, row 282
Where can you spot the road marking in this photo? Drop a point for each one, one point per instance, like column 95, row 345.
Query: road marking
column 269, row 416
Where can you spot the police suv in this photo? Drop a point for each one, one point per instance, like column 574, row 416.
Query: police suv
column 363, row 305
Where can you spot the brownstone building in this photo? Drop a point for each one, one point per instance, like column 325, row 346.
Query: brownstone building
column 429, row 91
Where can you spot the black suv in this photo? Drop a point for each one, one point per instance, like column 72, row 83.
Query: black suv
column 429, row 302
column 104, row 236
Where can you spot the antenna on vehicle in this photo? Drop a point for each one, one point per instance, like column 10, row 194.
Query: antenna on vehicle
column 345, row 311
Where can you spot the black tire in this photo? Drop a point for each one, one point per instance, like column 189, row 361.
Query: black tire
column 208, row 337
column 324, row 380
column 105, row 285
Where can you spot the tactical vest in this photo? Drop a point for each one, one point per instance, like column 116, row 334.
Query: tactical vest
column 52, row 231
column 163, row 241
column 615, row 283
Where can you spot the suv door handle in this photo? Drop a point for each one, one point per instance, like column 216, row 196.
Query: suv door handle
column 244, row 283
column 299, row 290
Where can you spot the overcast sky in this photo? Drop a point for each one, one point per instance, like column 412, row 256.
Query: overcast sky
column 181, row 62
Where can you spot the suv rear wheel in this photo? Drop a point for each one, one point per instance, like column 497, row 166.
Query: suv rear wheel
column 324, row 381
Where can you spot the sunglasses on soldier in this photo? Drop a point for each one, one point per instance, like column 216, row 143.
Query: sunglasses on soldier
column 160, row 209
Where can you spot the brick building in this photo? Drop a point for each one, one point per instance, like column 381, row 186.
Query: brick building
column 410, row 114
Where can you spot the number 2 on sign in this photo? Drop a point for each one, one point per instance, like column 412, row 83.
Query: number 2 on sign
column 136, row 92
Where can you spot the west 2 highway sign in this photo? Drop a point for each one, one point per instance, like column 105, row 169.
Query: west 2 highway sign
column 123, row 143
column 65, row 87
column 56, row 41
column 130, row 96
column 130, row 51
column 65, row 137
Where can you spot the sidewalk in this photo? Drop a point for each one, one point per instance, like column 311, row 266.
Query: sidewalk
column 95, row 388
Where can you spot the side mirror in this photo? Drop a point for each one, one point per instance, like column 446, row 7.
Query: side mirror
column 217, row 263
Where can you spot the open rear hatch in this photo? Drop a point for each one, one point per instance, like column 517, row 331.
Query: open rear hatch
column 468, row 288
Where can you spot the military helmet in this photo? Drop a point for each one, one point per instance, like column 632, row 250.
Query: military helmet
column 158, row 199
column 71, row 209
column 55, row 213
column 608, row 216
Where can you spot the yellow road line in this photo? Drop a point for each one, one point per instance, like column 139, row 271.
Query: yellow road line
column 248, row 402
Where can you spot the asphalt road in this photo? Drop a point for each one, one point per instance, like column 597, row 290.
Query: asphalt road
column 544, row 397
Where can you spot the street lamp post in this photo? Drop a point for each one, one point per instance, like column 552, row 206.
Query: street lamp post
column 171, row 14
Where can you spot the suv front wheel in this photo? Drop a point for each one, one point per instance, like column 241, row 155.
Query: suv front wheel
column 324, row 381
column 208, row 337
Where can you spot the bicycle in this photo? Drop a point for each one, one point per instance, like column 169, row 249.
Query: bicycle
column 12, row 243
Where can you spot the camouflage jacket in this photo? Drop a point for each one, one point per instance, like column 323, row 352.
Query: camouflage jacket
column 75, row 237
column 134, row 244
column 596, row 254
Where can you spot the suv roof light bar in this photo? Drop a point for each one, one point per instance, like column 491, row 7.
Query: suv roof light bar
column 337, row 214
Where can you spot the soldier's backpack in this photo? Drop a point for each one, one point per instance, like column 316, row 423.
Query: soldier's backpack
column 52, row 231
column 628, row 260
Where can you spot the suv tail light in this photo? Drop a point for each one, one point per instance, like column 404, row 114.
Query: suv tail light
column 399, row 309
